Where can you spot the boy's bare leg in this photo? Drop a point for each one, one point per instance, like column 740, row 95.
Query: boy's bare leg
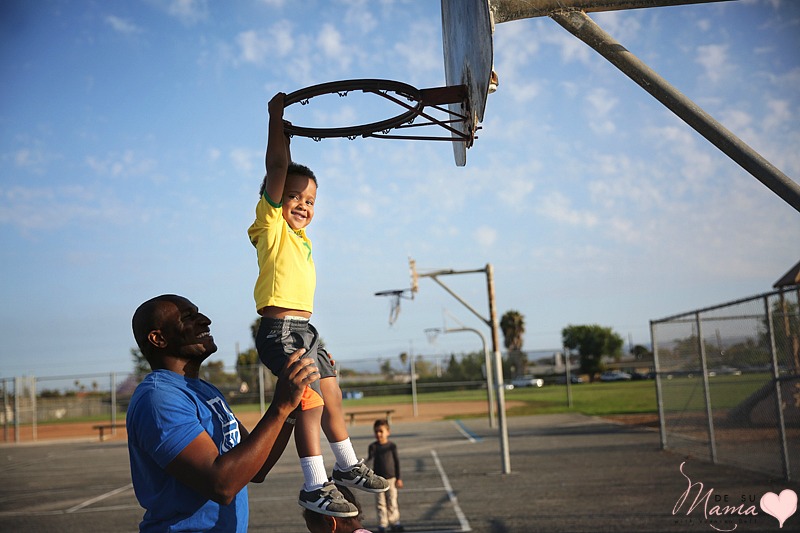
column 348, row 470
column 333, row 423
column 306, row 432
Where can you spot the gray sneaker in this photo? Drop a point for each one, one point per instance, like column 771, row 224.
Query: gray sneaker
column 361, row 477
column 327, row 500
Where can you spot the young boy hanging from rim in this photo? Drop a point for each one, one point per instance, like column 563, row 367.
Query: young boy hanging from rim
column 284, row 294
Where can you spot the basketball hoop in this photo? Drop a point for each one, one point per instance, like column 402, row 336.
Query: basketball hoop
column 432, row 334
column 394, row 302
column 415, row 102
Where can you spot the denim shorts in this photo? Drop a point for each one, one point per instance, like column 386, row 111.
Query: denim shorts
column 278, row 338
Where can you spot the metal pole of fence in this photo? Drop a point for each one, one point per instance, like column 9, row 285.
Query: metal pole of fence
column 778, row 398
column 413, row 369
column 261, row 391
column 17, row 387
column 568, row 376
column 712, row 443
column 113, row 379
column 662, row 425
column 34, row 431
column 5, row 410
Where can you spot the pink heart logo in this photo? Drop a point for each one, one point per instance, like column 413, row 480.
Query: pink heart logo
column 781, row 507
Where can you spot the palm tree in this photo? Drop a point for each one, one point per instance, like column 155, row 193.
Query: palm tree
column 513, row 326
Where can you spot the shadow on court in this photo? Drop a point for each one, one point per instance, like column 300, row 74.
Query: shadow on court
column 569, row 473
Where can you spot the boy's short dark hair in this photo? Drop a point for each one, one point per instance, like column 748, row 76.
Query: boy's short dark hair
column 380, row 423
column 295, row 169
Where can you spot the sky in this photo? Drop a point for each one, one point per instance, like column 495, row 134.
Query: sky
column 132, row 137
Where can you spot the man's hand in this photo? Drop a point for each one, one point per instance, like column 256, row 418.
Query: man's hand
column 297, row 373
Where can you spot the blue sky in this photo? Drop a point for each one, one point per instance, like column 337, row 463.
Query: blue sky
column 131, row 151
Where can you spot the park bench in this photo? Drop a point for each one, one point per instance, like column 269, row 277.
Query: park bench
column 103, row 427
column 387, row 414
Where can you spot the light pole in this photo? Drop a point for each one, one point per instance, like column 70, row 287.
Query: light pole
column 487, row 365
column 495, row 329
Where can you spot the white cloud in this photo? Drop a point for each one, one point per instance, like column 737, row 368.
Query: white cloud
column 122, row 26
column 714, row 59
column 624, row 26
column 365, row 201
column 125, row 164
column 571, row 49
column 330, row 41
column 259, row 47
column 188, row 11
column 360, row 17
column 421, row 50
column 780, row 114
column 32, row 208
column 680, row 144
column 31, row 159
column 557, row 207
column 600, row 104
column 485, row 236
column 244, row 159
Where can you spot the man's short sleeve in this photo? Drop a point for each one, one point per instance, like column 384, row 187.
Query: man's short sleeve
column 168, row 422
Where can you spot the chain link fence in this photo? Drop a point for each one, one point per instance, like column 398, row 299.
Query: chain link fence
column 34, row 408
column 728, row 382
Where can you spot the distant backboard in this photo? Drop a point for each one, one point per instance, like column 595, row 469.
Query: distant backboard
column 468, row 58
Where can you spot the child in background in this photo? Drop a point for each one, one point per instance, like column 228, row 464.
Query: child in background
column 284, row 294
column 385, row 463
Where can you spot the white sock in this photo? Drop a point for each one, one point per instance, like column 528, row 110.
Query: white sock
column 314, row 472
column 346, row 457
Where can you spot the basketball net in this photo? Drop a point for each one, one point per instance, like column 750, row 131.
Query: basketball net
column 394, row 307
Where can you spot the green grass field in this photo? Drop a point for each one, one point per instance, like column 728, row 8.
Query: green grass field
column 587, row 398
column 593, row 399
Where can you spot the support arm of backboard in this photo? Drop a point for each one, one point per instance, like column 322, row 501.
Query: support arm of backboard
column 508, row 10
column 433, row 276
column 584, row 28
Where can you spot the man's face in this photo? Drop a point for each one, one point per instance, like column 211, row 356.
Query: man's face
column 187, row 332
column 299, row 196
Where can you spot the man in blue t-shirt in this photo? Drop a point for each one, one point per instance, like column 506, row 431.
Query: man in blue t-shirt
column 191, row 459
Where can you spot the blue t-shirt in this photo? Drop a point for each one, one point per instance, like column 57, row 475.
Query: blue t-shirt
column 166, row 413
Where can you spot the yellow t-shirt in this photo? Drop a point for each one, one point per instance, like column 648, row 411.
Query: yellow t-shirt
column 286, row 274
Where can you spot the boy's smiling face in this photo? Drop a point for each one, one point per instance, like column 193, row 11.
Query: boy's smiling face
column 299, row 196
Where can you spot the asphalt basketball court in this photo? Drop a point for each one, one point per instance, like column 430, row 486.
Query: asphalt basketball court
column 569, row 473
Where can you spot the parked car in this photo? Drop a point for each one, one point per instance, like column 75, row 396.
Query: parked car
column 527, row 381
column 724, row 370
column 562, row 380
column 615, row 375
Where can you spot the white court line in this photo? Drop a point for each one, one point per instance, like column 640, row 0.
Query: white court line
column 96, row 499
column 461, row 429
column 462, row 519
